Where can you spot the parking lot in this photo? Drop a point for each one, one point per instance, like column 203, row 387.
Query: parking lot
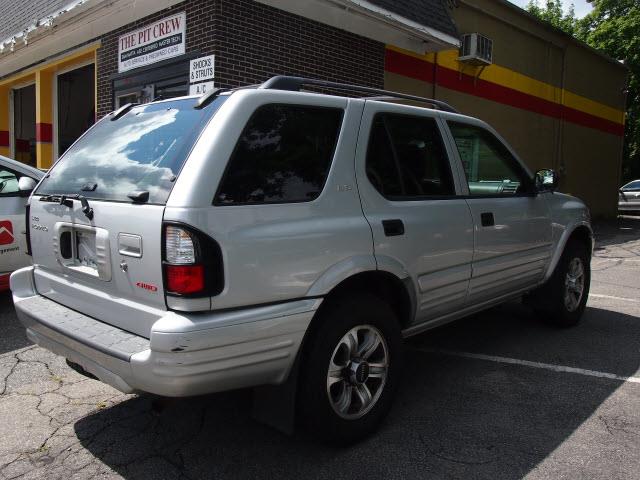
column 496, row 395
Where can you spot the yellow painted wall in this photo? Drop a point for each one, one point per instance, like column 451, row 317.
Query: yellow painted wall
column 43, row 75
column 4, row 121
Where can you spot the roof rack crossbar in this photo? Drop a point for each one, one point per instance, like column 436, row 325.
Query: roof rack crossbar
column 296, row 84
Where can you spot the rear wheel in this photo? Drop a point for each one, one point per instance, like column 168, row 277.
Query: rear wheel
column 349, row 376
column 563, row 298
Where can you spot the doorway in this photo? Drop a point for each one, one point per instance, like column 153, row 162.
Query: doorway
column 24, row 124
column 76, row 105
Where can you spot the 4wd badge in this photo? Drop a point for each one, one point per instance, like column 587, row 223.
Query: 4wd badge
column 146, row 286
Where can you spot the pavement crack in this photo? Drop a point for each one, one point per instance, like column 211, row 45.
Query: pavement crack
column 5, row 380
column 617, row 425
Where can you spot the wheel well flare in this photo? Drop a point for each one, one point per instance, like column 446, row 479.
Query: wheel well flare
column 383, row 285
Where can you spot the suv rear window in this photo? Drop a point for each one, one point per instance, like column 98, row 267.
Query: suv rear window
column 143, row 150
column 283, row 155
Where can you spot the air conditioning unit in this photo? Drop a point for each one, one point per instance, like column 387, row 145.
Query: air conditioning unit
column 476, row 49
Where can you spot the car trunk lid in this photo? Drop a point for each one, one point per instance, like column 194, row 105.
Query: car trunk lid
column 96, row 218
column 109, row 268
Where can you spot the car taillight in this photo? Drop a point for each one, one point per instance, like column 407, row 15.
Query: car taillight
column 192, row 262
column 27, row 223
column 185, row 279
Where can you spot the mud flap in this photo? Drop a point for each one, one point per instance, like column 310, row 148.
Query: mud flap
column 275, row 405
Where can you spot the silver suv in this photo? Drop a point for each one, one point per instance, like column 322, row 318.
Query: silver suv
column 270, row 236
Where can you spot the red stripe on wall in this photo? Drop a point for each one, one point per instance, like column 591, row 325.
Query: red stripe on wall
column 412, row 67
column 44, row 132
column 396, row 62
column 492, row 91
column 4, row 138
column 591, row 121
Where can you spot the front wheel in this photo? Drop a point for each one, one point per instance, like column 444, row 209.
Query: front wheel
column 349, row 376
column 563, row 299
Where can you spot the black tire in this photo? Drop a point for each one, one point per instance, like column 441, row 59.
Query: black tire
column 314, row 407
column 549, row 300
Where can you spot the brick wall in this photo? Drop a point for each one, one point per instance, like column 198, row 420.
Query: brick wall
column 252, row 42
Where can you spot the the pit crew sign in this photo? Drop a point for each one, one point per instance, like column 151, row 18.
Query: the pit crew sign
column 152, row 43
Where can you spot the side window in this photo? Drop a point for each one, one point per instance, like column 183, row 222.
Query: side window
column 8, row 182
column 382, row 167
column 406, row 158
column 488, row 165
column 283, row 155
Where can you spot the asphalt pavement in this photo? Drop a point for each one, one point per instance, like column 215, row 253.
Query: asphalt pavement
column 499, row 395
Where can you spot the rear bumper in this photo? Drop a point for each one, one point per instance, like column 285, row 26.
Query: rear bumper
column 186, row 354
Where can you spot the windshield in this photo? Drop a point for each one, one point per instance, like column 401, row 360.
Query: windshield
column 635, row 185
column 143, row 150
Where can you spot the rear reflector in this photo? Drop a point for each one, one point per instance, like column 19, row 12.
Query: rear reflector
column 185, row 279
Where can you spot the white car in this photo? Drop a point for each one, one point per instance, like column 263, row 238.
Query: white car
column 17, row 180
column 629, row 199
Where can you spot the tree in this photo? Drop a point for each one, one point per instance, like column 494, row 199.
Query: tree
column 553, row 12
column 613, row 27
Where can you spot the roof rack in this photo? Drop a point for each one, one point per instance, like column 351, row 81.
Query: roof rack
column 296, row 84
column 208, row 97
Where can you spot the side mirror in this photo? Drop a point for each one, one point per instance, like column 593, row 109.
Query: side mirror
column 546, row 180
column 26, row 186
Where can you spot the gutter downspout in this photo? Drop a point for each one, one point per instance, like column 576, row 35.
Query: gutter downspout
column 625, row 91
column 561, row 165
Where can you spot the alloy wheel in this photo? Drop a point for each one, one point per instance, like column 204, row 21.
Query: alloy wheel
column 357, row 372
column 574, row 285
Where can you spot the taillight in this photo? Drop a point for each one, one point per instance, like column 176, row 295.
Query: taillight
column 27, row 223
column 192, row 262
column 185, row 279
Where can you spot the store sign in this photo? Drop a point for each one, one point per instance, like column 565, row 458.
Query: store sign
column 155, row 42
column 201, row 73
column 201, row 69
column 200, row 88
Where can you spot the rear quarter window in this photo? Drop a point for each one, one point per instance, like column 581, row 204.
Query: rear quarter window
column 283, row 155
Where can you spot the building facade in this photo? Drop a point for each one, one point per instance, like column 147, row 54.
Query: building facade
column 64, row 64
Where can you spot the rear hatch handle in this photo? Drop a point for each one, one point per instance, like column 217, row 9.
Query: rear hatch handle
column 67, row 201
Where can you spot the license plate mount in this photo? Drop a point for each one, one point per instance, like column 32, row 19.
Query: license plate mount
column 85, row 251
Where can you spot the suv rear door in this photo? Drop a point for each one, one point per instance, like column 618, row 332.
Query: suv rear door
column 107, row 262
column 409, row 196
column 512, row 222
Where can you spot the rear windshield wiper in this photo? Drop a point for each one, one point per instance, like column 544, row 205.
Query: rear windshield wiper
column 67, row 201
